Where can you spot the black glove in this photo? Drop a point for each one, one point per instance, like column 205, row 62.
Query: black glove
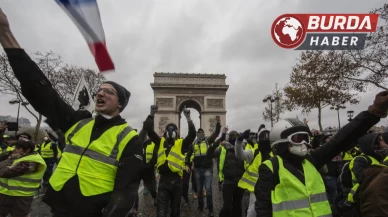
column 244, row 135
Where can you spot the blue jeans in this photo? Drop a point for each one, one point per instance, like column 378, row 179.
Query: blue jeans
column 203, row 177
column 331, row 188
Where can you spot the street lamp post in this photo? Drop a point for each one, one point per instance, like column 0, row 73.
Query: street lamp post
column 271, row 99
column 350, row 115
column 12, row 102
column 338, row 107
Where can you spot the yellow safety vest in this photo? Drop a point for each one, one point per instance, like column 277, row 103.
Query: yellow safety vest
column 24, row 185
column 175, row 159
column 347, row 156
column 356, row 185
column 385, row 159
column 251, row 175
column 249, row 179
column 9, row 148
column 291, row 198
column 46, row 150
column 95, row 163
column 221, row 163
column 200, row 149
column 150, row 151
column 249, row 146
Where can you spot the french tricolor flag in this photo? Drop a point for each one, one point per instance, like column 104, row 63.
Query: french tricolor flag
column 86, row 15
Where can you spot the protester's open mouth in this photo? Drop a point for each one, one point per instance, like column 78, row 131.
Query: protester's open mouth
column 100, row 102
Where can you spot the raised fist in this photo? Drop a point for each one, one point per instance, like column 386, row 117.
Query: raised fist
column 244, row 135
column 186, row 112
column 380, row 105
column 154, row 109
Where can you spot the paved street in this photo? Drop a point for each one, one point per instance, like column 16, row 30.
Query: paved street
column 146, row 208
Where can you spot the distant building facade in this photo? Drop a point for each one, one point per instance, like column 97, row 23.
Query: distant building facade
column 23, row 122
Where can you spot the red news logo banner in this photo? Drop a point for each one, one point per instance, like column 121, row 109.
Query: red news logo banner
column 310, row 31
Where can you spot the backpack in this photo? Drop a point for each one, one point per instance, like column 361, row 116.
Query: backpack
column 345, row 182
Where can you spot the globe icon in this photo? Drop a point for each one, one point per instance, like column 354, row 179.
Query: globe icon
column 287, row 32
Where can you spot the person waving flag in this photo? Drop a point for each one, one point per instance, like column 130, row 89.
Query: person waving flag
column 86, row 15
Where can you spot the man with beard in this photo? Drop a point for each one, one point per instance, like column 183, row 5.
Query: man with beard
column 203, row 166
column 231, row 171
column 289, row 183
column 170, row 162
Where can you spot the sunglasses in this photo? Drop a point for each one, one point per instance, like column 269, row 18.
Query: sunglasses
column 108, row 91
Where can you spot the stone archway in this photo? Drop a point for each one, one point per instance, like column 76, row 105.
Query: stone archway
column 204, row 92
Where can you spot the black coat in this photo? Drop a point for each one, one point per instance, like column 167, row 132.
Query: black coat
column 233, row 167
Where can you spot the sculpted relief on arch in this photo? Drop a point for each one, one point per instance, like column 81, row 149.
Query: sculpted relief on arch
column 162, row 124
column 199, row 99
column 164, row 102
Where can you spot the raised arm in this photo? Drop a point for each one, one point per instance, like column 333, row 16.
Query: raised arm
column 188, row 156
column 35, row 87
column 216, row 132
column 245, row 155
column 189, row 139
column 347, row 135
column 214, row 150
column 148, row 125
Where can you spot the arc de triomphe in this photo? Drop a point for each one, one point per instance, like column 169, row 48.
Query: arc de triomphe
column 204, row 92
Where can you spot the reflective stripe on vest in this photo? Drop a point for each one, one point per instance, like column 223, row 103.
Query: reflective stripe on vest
column 249, row 179
column 149, row 152
column 95, row 163
column 200, row 149
column 175, row 158
column 291, row 198
column 24, row 185
column 221, row 163
column 354, row 179
column 46, row 150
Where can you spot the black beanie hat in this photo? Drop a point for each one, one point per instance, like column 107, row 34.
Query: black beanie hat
column 122, row 93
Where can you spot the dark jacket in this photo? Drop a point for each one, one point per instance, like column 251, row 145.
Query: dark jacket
column 343, row 140
column 164, row 170
column 362, row 162
column 233, row 167
column 39, row 92
column 203, row 161
column 372, row 193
